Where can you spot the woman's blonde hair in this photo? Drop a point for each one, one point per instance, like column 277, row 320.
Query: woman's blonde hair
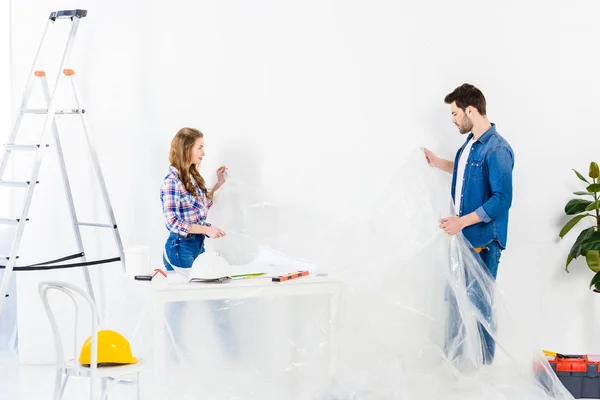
column 179, row 157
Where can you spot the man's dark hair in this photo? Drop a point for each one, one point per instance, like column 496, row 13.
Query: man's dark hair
column 467, row 95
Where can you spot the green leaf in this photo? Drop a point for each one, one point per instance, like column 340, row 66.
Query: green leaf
column 576, row 250
column 583, row 193
column 595, row 283
column 581, row 177
column 569, row 259
column 593, row 206
column 576, row 206
column 591, row 243
column 569, row 225
column 593, row 260
column 594, row 188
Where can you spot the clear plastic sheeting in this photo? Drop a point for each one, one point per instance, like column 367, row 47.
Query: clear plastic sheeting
column 8, row 341
column 251, row 345
column 417, row 314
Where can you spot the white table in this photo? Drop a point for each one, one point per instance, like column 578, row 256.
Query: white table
column 165, row 292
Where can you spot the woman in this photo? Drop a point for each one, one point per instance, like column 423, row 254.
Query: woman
column 186, row 200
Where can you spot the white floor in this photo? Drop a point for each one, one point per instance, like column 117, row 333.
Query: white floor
column 37, row 383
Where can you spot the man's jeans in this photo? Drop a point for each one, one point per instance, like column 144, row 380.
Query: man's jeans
column 482, row 300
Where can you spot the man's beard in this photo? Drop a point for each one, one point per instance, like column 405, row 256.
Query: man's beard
column 467, row 126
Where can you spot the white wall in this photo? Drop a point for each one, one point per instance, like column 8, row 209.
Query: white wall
column 322, row 101
column 8, row 318
column 5, row 91
column 5, row 99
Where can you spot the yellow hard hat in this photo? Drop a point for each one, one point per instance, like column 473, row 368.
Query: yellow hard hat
column 113, row 348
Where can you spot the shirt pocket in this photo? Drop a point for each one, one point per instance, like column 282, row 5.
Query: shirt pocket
column 197, row 203
column 476, row 169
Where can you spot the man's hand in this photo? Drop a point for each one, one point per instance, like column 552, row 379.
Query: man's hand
column 432, row 159
column 435, row 161
column 451, row 225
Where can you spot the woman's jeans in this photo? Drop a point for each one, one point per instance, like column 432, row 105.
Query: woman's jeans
column 182, row 252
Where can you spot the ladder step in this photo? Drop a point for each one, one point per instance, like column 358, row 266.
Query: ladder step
column 57, row 111
column 5, row 257
column 16, row 183
column 67, row 14
column 96, row 225
column 22, row 147
column 11, row 221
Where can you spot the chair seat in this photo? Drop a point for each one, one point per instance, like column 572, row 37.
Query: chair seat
column 111, row 371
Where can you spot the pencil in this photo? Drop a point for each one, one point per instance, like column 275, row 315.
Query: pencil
column 248, row 275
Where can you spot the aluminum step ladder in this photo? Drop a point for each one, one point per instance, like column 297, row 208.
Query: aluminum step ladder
column 50, row 131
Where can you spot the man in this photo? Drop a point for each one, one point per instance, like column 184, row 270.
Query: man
column 481, row 184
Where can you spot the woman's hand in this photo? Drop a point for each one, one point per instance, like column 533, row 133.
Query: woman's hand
column 214, row 232
column 221, row 172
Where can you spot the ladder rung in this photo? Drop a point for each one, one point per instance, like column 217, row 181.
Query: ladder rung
column 57, row 111
column 96, row 225
column 5, row 257
column 16, row 183
column 67, row 14
column 22, row 147
column 11, row 221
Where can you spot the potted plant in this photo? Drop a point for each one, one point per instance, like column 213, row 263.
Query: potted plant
column 588, row 241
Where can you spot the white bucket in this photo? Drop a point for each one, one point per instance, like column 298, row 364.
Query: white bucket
column 138, row 260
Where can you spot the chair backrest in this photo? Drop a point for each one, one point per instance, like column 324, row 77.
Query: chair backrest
column 72, row 292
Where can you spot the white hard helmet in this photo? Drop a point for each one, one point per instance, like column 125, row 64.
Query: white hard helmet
column 210, row 266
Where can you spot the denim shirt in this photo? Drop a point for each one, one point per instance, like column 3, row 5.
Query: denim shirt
column 486, row 187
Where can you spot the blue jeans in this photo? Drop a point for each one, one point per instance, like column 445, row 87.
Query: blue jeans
column 182, row 252
column 490, row 255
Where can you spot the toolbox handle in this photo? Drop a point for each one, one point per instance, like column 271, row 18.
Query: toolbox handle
column 571, row 363
column 576, row 356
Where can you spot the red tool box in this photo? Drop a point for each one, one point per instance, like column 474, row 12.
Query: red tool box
column 578, row 373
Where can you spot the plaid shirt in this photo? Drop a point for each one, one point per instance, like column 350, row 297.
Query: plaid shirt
column 180, row 208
